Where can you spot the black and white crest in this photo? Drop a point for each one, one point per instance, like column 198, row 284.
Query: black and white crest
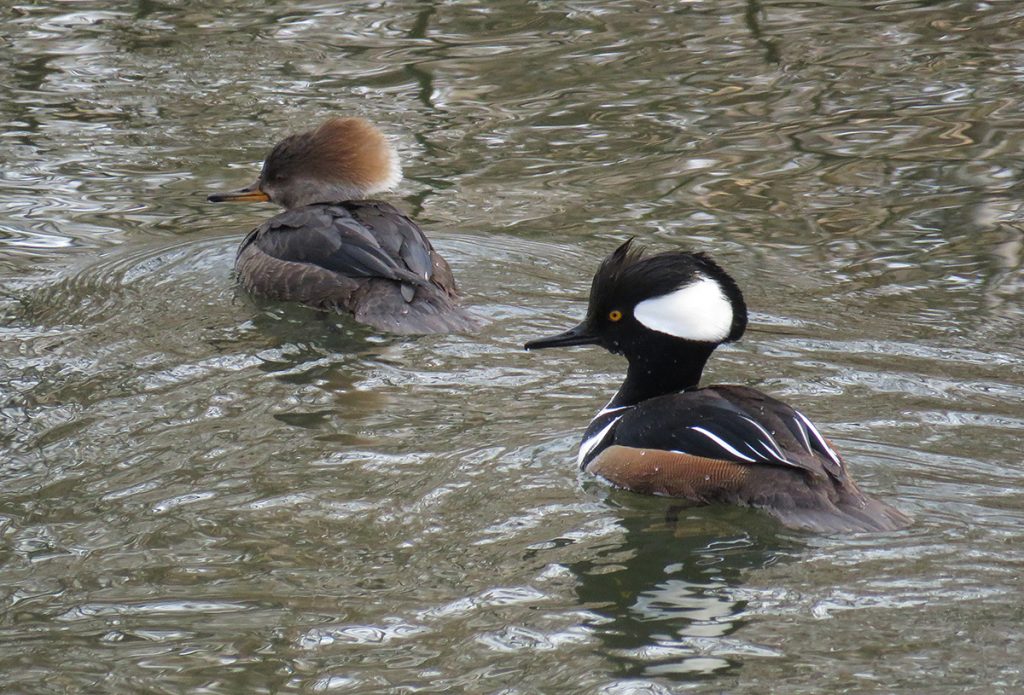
column 684, row 295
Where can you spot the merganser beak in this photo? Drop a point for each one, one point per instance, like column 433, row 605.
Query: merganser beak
column 580, row 335
column 250, row 193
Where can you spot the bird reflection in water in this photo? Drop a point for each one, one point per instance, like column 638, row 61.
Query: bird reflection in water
column 665, row 598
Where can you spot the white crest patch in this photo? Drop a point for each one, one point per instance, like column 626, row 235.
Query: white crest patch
column 699, row 311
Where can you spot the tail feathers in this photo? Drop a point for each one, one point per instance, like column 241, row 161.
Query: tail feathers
column 385, row 307
column 853, row 514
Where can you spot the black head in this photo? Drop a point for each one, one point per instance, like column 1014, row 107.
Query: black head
column 642, row 305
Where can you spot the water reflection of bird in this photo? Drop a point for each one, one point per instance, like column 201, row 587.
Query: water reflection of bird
column 665, row 593
column 332, row 249
column 661, row 434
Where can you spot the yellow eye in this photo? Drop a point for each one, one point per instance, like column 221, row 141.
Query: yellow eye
column 614, row 315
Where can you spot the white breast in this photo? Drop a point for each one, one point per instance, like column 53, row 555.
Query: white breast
column 590, row 443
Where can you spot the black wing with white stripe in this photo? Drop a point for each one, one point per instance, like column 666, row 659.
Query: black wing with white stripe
column 729, row 423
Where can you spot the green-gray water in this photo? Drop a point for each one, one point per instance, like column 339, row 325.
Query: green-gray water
column 202, row 494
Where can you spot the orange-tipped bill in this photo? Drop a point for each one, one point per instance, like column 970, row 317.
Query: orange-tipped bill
column 251, row 193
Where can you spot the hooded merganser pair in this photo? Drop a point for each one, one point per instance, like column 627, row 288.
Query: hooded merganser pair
column 333, row 250
column 662, row 434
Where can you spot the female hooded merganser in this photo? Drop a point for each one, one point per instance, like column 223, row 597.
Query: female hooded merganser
column 662, row 434
column 331, row 249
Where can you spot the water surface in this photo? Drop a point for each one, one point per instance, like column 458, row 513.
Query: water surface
column 199, row 493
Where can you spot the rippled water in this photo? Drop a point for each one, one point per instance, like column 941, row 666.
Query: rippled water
column 203, row 494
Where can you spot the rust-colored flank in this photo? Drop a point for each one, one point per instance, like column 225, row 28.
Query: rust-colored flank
column 659, row 472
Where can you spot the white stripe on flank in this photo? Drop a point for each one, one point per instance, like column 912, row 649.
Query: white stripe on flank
column 821, row 440
column 699, row 311
column 720, row 442
column 588, row 445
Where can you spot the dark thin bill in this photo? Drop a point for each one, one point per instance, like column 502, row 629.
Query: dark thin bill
column 580, row 335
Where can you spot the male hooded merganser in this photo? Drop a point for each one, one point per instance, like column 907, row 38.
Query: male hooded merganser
column 331, row 249
column 662, row 434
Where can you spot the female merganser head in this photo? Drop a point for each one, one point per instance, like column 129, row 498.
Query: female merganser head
column 333, row 250
column 661, row 434
column 343, row 159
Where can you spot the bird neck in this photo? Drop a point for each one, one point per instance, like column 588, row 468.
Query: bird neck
column 311, row 192
column 658, row 373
